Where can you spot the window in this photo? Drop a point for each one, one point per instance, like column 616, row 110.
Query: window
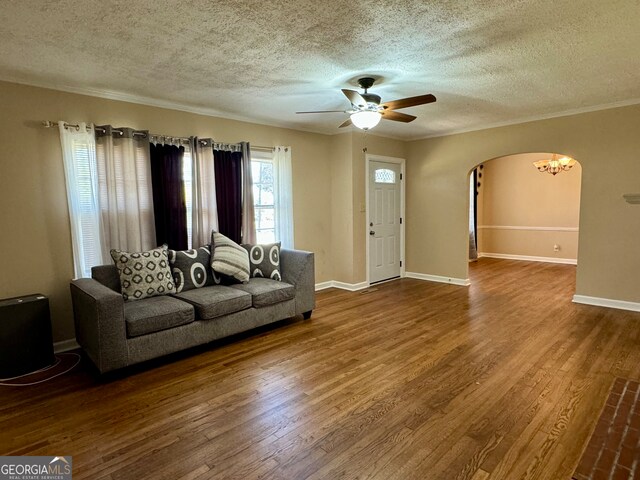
column 187, row 180
column 265, row 189
column 384, row 175
column 87, row 214
column 79, row 156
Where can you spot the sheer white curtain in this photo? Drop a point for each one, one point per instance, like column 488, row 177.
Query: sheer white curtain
column 124, row 182
column 284, row 200
column 248, row 212
column 81, row 176
column 204, row 206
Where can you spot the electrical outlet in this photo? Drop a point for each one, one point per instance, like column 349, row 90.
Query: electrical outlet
column 556, row 248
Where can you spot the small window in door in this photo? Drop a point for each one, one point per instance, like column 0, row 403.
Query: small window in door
column 384, row 175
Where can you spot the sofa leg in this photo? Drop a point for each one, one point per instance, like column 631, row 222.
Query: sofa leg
column 307, row 315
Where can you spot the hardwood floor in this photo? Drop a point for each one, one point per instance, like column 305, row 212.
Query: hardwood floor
column 409, row 379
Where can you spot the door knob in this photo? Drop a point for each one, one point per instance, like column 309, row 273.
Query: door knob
column 371, row 232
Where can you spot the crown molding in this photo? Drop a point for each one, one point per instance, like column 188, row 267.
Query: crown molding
column 180, row 107
column 533, row 118
column 153, row 102
column 211, row 112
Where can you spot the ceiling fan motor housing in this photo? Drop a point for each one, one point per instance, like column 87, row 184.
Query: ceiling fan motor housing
column 366, row 82
column 371, row 98
column 366, row 110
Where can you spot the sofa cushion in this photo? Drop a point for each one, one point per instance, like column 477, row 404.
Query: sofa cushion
column 108, row 276
column 156, row 313
column 229, row 258
column 144, row 274
column 216, row 301
column 264, row 260
column 191, row 268
column 265, row 291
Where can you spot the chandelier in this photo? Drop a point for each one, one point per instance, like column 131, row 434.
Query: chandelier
column 555, row 165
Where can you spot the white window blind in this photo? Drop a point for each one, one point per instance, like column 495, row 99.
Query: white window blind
column 273, row 196
column 79, row 157
column 265, row 189
column 187, row 179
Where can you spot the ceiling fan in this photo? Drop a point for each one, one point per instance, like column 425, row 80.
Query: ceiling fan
column 366, row 109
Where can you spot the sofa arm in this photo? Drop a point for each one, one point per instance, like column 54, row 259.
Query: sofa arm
column 297, row 267
column 98, row 314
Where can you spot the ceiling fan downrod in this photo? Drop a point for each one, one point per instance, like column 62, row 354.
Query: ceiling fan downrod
column 372, row 100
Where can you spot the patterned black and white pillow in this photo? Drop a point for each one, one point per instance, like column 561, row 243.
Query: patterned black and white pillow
column 144, row 274
column 264, row 260
column 229, row 258
column 191, row 269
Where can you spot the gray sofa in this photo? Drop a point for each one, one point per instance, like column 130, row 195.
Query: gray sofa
column 115, row 334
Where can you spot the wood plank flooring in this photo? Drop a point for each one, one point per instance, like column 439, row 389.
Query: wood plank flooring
column 407, row 380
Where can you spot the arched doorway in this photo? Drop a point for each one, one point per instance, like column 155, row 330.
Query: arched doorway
column 518, row 212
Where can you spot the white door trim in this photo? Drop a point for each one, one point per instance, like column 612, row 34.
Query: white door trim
column 402, row 162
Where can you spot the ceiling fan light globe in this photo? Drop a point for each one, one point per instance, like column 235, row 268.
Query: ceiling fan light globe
column 365, row 120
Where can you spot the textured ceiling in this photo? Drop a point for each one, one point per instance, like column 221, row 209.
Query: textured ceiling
column 487, row 62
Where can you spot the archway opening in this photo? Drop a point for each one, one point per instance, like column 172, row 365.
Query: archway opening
column 520, row 212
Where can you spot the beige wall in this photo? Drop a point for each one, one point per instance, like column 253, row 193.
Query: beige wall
column 36, row 238
column 328, row 187
column 329, row 190
column 341, row 207
column 386, row 147
column 348, row 208
column 607, row 145
column 524, row 212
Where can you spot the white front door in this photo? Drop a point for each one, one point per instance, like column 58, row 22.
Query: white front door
column 384, row 221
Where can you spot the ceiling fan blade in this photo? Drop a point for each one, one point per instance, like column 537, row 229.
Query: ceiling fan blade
column 409, row 102
column 354, row 97
column 397, row 116
column 346, row 123
column 324, row 111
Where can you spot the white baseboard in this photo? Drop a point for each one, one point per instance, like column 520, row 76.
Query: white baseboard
column 352, row 287
column 464, row 282
column 527, row 258
column 324, row 285
column 607, row 302
column 65, row 345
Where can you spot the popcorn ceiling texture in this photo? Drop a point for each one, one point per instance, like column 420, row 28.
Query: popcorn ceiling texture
column 487, row 61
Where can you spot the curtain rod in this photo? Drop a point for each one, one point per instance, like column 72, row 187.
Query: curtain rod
column 170, row 138
column 50, row 124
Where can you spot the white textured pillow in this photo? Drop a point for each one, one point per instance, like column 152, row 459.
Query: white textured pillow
column 229, row 258
column 144, row 274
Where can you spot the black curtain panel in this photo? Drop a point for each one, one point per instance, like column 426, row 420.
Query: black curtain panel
column 475, row 205
column 228, row 171
column 169, row 205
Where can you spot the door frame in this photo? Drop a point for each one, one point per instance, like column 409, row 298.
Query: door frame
column 399, row 161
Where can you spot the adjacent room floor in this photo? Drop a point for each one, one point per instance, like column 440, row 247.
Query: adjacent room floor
column 409, row 379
